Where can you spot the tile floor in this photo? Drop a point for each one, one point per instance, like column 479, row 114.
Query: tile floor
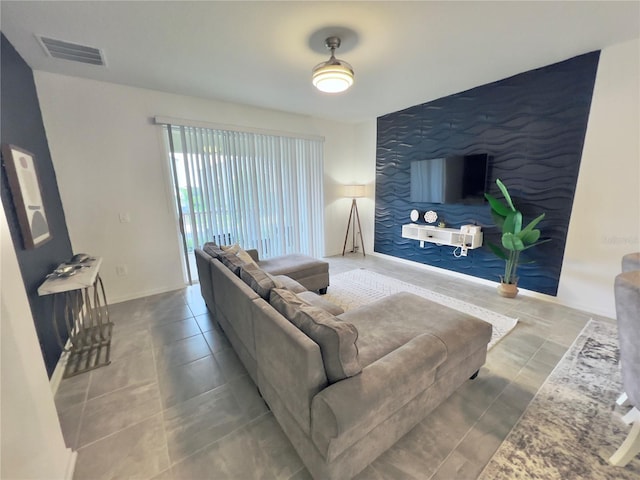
column 176, row 403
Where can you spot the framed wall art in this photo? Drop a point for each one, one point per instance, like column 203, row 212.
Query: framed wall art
column 21, row 172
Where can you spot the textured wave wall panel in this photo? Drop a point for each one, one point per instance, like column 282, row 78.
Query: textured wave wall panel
column 532, row 125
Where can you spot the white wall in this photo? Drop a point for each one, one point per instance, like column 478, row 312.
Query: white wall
column 31, row 442
column 358, row 170
column 366, row 144
column 109, row 159
column 605, row 220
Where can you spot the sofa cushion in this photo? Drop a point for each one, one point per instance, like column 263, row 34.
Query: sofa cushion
column 336, row 339
column 212, row 249
column 257, row 279
column 392, row 321
column 232, row 262
column 312, row 273
column 294, row 265
column 282, row 281
column 316, row 300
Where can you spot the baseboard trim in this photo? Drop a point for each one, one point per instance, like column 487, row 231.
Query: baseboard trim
column 558, row 300
column 147, row 293
column 468, row 278
column 58, row 372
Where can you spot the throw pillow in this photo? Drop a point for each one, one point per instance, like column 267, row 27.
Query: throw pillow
column 276, row 281
column 232, row 249
column 212, row 249
column 336, row 339
column 257, row 279
column 245, row 257
column 232, row 262
column 286, row 302
column 236, row 250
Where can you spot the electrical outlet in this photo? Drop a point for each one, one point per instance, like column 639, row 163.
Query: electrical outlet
column 122, row 270
column 124, row 217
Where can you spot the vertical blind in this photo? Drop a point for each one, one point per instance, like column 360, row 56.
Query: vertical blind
column 260, row 191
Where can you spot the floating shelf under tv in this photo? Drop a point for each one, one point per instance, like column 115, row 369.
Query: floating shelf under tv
column 442, row 236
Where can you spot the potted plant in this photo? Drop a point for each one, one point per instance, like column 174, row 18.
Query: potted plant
column 515, row 238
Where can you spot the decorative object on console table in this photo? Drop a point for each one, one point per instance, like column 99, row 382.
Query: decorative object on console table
column 430, row 216
column 515, row 239
column 27, row 197
column 354, row 191
column 85, row 320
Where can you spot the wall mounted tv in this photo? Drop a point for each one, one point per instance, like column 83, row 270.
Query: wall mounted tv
column 455, row 179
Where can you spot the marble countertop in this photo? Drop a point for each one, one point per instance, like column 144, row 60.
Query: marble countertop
column 84, row 277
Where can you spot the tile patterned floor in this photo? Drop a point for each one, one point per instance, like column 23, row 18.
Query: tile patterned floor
column 176, row 403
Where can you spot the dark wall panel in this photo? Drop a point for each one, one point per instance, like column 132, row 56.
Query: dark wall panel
column 532, row 125
column 21, row 125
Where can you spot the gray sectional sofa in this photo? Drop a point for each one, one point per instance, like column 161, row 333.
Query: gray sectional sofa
column 346, row 386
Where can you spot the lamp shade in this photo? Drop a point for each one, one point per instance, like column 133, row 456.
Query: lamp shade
column 354, row 191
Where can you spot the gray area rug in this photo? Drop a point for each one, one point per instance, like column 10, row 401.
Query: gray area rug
column 572, row 425
column 358, row 287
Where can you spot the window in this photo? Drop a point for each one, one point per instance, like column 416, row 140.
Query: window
column 260, row 191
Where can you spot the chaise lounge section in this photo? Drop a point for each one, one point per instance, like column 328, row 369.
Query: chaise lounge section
column 344, row 387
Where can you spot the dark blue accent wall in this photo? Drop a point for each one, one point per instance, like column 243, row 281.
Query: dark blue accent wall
column 21, row 125
column 532, row 125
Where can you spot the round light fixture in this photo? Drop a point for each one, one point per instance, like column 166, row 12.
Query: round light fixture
column 334, row 75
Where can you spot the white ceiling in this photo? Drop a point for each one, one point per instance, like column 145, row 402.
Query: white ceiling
column 262, row 53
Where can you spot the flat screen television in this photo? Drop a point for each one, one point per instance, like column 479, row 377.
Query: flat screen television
column 456, row 179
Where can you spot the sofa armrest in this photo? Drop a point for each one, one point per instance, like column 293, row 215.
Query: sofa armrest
column 253, row 253
column 290, row 363
column 347, row 410
column 203, row 260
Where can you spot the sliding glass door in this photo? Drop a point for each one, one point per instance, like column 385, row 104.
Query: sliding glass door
column 260, row 191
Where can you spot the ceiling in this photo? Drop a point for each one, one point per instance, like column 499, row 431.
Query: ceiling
column 262, row 53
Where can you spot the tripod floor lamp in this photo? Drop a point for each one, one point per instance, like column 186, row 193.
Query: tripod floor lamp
column 353, row 191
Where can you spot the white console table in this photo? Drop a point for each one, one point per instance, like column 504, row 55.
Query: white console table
column 443, row 236
column 80, row 311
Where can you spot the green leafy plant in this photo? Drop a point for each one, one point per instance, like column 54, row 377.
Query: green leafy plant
column 515, row 238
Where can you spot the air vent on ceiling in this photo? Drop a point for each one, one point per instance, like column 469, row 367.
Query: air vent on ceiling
column 72, row 51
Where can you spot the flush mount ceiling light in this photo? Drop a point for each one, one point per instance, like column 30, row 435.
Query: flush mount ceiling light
column 334, row 75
